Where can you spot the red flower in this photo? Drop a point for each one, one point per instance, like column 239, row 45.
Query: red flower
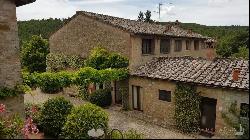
column 2, row 108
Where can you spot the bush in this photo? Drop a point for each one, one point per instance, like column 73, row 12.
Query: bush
column 54, row 114
column 102, row 97
column 34, row 54
column 8, row 92
column 10, row 127
column 33, row 111
column 82, row 119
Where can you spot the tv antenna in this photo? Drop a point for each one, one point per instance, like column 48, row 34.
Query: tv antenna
column 159, row 9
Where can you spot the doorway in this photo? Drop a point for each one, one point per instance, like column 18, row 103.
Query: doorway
column 137, row 98
column 208, row 116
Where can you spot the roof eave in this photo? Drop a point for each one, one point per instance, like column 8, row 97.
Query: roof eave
column 23, row 2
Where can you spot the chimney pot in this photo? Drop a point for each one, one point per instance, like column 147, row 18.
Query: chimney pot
column 236, row 73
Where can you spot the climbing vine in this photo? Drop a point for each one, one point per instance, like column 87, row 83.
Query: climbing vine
column 187, row 110
column 52, row 82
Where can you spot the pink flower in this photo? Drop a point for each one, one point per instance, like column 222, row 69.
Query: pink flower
column 29, row 127
column 2, row 108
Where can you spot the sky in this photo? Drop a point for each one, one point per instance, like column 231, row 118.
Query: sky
column 206, row 12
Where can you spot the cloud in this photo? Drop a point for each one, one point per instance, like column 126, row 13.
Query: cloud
column 208, row 12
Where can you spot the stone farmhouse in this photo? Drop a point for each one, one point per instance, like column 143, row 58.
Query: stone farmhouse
column 160, row 56
column 10, row 66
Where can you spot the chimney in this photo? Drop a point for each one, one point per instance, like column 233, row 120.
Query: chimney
column 236, row 73
column 190, row 31
column 168, row 28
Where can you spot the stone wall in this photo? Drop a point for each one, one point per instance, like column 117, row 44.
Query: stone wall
column 14, row 105
column 10, row 67
column 137, row 58
column 165, row 110
column 82, row 34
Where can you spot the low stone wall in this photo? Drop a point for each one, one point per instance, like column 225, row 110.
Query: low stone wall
column 14, row 105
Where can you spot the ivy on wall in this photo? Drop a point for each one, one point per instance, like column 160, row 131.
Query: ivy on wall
column 58, row 62
column 187, row 108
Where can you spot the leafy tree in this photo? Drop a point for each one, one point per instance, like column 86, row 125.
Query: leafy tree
column 230, row 45
column 141, row 16
column 33, row 54
column 100, row 58
column 148, row 16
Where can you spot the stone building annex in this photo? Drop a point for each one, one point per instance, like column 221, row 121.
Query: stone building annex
column 160, row 57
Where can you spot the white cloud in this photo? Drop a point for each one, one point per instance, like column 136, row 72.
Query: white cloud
column 208, row 12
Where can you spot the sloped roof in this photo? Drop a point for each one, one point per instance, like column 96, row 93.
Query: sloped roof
column 23, row 2
column 217, row 72
column 138, row 27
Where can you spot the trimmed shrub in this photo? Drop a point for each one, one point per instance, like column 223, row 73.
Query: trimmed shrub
column 102, row 97
column 54, row 114
column 82, row 119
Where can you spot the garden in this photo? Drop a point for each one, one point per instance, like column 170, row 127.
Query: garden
column 58, row 117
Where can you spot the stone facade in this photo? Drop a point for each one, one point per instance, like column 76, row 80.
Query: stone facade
column 10, row 67
column 82, row 34
column 138, row 59
column 163, row 110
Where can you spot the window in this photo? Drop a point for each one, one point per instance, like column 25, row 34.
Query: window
column 165, row 95
column 244, row 110
column 147, row 46
column 165, row 46
column 196, row 45
column 188, row 45
column 178, row 46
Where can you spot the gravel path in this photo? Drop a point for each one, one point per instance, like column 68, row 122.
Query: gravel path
column 117, row 120
column 37, row 97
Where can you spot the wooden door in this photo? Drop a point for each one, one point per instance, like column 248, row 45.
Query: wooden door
column 208, row 116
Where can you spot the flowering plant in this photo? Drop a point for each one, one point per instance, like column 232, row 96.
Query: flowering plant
column 12, row 126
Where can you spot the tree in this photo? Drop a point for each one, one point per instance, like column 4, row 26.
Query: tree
column 100, row 58
column 231, row 44
column 33, row 54
column 141, row 16
column 148, row 17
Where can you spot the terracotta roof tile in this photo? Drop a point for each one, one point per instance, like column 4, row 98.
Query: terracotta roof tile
column 137, row 27
column 217, row 72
